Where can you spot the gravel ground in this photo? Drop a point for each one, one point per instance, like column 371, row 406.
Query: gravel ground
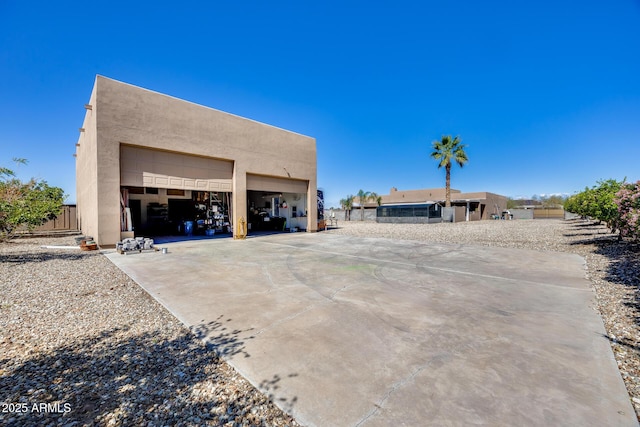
column 78, row 334
column 612, row 267
column 82, row 344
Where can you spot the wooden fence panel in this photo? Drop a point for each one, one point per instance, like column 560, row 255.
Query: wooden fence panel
column 65, row 221
column 548, row 213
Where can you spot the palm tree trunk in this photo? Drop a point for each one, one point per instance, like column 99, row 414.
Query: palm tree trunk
column 447, row 202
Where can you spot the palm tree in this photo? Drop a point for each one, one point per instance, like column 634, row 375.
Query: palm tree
column 364, row 197
column 347, row 205
column 343, row 205
column 378, row 199
column 447, row 150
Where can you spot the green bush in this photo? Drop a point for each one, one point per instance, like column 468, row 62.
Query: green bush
column 597, row 202
column 26, row 204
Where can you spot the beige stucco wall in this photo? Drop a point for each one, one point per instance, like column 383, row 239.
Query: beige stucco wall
column 494, row 203
column 129, row 115
column 86, row 176
column 417, row 196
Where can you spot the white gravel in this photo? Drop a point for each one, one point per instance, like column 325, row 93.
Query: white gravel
column 82, row 344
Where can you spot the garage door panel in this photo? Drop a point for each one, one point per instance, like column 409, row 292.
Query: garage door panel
column 172, row 170
column 128, row 163
column 269, row 183
column 151, row 168
column 134, row 180
column 143, row 165
column 163, row 158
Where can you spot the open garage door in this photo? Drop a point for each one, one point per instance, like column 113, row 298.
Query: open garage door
column 170, row 193
column 276, row 204
column 143, row 167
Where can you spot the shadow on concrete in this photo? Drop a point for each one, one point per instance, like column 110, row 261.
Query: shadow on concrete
column 175, row 239
column 220, row 339
column 261, row 233
column 136, row 380
column 228, row 343
column 158, row 240
column 269, row 387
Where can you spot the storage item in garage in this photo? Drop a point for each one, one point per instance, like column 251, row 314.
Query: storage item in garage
column 188, row 228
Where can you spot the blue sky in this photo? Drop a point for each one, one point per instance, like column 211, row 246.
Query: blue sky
column 545, row 94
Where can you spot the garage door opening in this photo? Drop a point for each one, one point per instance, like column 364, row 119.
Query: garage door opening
column 156, row 212
column 271, row 211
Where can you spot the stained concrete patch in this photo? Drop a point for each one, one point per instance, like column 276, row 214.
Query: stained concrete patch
column 346, row 331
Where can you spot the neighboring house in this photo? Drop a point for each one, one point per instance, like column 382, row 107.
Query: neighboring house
column 148, row 162
column 426, row 205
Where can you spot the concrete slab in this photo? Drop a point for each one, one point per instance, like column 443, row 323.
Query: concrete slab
column 345, row 331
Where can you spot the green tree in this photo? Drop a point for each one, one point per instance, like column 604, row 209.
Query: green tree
column 26, row 204
column 571, row 204
column 446, row 151
column 511, row 203
column 347, row 205
column 597, row 202
column 552, row 201
column 605, row 197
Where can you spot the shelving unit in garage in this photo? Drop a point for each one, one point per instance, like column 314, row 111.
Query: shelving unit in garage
column 218, row 211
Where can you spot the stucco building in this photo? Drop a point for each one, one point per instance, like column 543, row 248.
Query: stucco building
column 152, row 163
column 467, row 206
column 427, row 206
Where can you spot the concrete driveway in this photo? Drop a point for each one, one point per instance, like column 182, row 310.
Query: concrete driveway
column 345, row 331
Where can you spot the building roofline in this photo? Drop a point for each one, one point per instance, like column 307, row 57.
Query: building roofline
column 407, row 204
column 200, row 105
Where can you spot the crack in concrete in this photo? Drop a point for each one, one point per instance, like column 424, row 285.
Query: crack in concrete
column 342, row 289
column 398, row 384
column 337, row 291
column 394, row 387
column 267, row 273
